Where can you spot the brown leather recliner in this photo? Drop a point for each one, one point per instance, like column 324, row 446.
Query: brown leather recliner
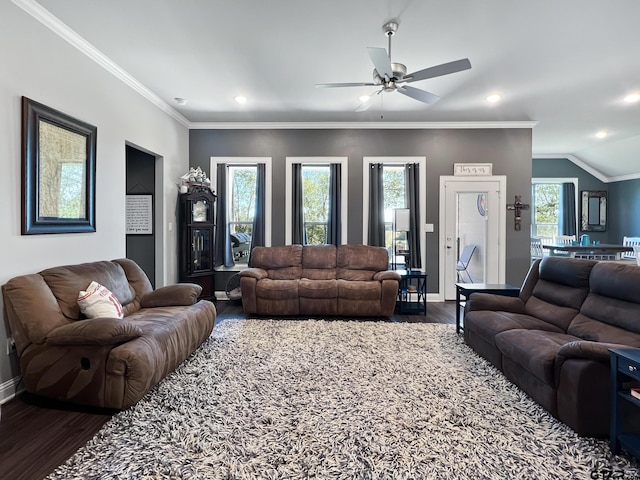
column 102, row 362
column 348, row 280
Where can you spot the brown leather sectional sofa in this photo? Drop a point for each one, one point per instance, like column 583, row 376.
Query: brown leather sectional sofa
column 553, row 340
column 349, row 280
column 102, row 362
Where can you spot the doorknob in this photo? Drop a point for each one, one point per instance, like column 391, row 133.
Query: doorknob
column 449, row 246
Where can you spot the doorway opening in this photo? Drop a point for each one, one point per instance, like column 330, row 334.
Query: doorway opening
column 472, row 213
column 141, row 184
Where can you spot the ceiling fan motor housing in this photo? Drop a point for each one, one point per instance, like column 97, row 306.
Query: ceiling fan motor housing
column 399, row 71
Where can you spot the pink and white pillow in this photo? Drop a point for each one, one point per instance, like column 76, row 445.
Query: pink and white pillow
column 98, row 301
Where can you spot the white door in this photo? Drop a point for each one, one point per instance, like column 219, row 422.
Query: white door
column 472, row 212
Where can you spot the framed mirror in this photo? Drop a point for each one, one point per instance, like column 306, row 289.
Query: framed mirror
column 594, row 211
column 58, row 171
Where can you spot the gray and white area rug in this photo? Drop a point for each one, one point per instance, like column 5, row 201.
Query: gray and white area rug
column 286, row 399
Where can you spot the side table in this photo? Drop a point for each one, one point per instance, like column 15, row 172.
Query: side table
column 466, row 289
column 625, row 371
column 412, row 291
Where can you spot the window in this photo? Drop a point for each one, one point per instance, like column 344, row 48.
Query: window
column 315, row 203
column 547, row 205
column 546, row 209
column 394, row 197
column 241, row 183
column 242, row 189
column 316, row 179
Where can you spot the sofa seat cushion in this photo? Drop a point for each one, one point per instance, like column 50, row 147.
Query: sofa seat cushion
column 359, row 290
column 487, row 324
column 277, row 289
column 534, row 350
column 309, row 288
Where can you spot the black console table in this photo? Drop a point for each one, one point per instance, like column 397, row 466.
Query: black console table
column 466, row 289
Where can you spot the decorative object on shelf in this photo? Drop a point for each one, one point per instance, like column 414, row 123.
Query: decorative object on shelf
column 517, row 207
column 58, row 171
column 196, row 232
column 194, row 177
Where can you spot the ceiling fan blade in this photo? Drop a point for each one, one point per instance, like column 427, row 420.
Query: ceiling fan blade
column 438, row 70
column 335, row 85
column 366, row 104
column 417, row 94
column 381, row 61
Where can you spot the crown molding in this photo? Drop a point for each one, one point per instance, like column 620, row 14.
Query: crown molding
column 572, row 158
column 45, row 17
column 355, row 125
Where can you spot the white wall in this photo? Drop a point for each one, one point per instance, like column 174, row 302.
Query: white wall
column 37, row 63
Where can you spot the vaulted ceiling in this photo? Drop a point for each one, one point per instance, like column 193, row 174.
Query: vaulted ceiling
column 567, row 66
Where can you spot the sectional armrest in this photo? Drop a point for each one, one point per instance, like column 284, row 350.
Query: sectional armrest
column 172, row 295
column 495, row 303
column 95, row 331
column 386, row 275
column 257, row 273
column 588, row 350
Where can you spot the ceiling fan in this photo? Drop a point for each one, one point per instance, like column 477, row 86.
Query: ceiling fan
column 392, row 76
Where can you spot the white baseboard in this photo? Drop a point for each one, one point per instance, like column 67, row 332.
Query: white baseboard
column 435, row 297
column 8, row 389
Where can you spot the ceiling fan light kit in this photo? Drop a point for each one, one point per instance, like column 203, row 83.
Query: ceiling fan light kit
column 391, row 76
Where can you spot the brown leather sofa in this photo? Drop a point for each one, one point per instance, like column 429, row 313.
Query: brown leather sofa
column 349, row 280
column 102, row 362
column 553, row 340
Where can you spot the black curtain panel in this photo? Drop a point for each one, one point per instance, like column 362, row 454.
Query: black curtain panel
column 258, row 230
column 376, row 205
column 298, row 234
column 567, row 218
column 224, row 254
column 412, row 192
column 334, row 223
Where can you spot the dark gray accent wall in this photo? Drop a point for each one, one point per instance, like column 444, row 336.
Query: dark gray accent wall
column 509, row 150
column 624, row 210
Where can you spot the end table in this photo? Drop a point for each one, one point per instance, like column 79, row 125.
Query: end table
column 412, row 291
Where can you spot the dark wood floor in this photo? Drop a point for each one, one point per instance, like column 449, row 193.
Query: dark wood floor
column 37, row 435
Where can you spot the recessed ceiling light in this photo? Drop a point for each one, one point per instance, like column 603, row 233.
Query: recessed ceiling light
column 180, row 101
column 601, row 134
column 632, row 97
column 241, row 99
column 493, row 98
column 363, row 98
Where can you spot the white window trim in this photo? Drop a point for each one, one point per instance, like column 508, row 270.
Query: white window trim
column 288, row 204
column 574, row 180
column 214, row 161
column 422, row 161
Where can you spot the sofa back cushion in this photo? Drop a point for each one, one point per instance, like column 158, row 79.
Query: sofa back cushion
column 562, row 286
column 319, row 262
column 611, row 311
column 361, row 262
column 283, row 262
column 67, row 281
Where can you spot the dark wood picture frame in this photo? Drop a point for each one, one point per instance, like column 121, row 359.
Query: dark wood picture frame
column 58, row 171
column 594, row 211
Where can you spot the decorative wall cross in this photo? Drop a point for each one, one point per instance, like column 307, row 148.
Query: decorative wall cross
column 517, row 207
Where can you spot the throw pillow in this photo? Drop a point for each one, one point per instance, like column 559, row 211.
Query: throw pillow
column 98, row 301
